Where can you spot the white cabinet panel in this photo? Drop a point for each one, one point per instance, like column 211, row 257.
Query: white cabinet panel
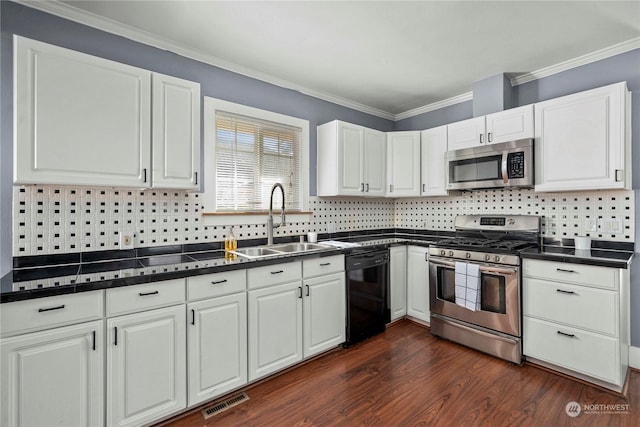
column 275, row 328
column 146, row 366
column 324, row 313
column 375, row 163
column 403, row 164
column 398, row 277
column 510, row 125
column 433, row 147
column 466, row 134
column 350, row 160
column 63, row 135
column 176, row 132
column 217, row 346
column 54, row 377
column 582, row 141
column 418, row 283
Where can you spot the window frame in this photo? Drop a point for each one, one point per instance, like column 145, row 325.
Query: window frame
column 211, row 215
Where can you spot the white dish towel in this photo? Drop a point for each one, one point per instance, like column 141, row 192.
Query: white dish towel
column 472, row 296
column 461, row 283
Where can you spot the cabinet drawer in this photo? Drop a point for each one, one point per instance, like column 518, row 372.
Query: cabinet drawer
column 129, row 299
column 268, row 275
column 600, row 277
column 213, row 285
column 323, row 265
column 46, row 313
column 579, row 306
column 584, row 352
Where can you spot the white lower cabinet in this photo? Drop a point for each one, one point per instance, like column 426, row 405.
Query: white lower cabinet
column 275, row 328
column 217, row 349
column 418, row 283
column 53, row 377
column 398, row 277
column 324, row 311
column 576, row 319
column 146, row 355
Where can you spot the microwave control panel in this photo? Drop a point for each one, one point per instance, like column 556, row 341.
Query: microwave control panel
column 515, row 165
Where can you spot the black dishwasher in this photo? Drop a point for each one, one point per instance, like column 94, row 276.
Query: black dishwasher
column 368, row 309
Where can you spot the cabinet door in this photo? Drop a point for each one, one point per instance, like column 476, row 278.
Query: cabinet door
column 398, row 277
column 275, row 328
column 146, row 366
column 80, row 119
column 53, row 377
column 375, row 163
column 581, row 140
column 418, row 283
column 433, row 143
column 403, row 164
column 176, row 133
column 324, row 313
column 350, row 159
column 466, row 134
column 510, row 125
column 217, row 351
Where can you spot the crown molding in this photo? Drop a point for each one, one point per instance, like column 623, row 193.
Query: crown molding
column 435, row 106
column 75, row 14
column 72, row 13
column 597, row 55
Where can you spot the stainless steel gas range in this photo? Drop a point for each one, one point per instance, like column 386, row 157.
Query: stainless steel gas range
column 475, row 282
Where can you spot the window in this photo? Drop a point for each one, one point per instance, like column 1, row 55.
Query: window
column 247, row 151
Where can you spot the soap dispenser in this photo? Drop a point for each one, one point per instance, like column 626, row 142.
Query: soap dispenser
column 230, row 244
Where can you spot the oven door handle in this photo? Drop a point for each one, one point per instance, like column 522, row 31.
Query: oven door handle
column 483, row 268
column 505, row 175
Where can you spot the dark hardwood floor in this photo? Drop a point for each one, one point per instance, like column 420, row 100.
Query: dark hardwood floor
column 407, row 377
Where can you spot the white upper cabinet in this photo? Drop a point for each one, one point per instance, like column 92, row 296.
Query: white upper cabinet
column 583, row 140
column 84, row 120
column 79, row 119
column 175, row 133
column 465, row 134
column 433, row 146
column 351, row 160
column 503, row 126
column 403, row 164
column 509, row 125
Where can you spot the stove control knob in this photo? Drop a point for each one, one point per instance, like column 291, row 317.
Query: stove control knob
column 443, row 252
column 497, row 258
column 468, row 255
column 487, row 257
column 450, row 253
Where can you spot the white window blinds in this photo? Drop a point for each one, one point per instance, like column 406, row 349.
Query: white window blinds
column 251, row 156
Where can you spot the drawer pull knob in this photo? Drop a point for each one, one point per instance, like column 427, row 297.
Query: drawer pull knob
column 566, row 334
column 217, row 282
column 144, row 294
column 565, row 271
column 324, row 264
column 277, row 272
column 59, row 307
column 562, row 291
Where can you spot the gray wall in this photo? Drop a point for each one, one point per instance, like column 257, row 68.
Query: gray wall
column 215, row 82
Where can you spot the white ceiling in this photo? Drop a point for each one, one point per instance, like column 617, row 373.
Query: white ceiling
column 384, row 57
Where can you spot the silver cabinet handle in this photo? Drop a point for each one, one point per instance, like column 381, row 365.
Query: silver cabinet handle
column 324, row 264
column 277, row 272
column 144, row 294
column 481, row 139
column 367, row 190
column 307, row 289
column 489, row 137
column 300, row 292
column 362, row 187
column 424, row 188
column 565, row 271
column 566, row 334
column 562, row 291
column 217, row 282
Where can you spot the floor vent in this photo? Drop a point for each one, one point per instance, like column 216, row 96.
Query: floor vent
column 224, row 405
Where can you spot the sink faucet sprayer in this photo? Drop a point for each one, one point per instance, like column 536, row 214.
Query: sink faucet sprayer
column 270, row 225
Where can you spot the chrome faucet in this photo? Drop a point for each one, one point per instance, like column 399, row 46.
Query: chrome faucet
column 270, row 225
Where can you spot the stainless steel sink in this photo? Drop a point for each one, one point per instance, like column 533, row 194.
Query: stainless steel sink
column 282, row 249
column 298, row 247
column 257, row 252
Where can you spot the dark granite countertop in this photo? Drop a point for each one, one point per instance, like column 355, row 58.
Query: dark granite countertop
column 37, row 277
column 596, row 256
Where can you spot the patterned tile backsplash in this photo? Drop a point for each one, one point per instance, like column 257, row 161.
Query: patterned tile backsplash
column 58, row 219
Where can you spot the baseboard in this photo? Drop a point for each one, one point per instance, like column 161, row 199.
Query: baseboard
column 634, row 357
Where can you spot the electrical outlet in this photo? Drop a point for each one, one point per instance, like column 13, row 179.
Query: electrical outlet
column 331, row 227
column 612, row 225
column 590, row 225
column 126, row 239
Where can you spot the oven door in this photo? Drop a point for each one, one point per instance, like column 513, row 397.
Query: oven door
column 499, row 295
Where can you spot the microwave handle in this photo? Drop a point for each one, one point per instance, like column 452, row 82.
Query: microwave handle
column 505, row 175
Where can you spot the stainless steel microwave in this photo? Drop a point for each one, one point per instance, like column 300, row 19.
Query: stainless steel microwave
column 507, row 164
